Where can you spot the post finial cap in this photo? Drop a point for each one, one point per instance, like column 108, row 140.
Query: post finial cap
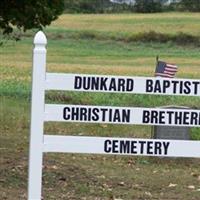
column 40, row 38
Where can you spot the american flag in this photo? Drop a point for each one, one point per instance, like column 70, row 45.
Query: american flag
column 166, row 70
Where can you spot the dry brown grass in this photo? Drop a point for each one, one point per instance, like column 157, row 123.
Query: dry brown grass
column 134, row 23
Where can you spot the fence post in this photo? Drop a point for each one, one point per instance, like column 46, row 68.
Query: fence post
column 37, row 117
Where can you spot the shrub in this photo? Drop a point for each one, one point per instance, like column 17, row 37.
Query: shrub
column 148, row 6
column 87, row 6
column 191, row 5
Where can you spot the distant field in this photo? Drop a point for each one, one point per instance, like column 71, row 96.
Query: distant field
column 89, row 44
column 131, row 23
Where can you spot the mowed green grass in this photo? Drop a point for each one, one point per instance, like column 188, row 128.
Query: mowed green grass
column 68, row 176
column 93, row 56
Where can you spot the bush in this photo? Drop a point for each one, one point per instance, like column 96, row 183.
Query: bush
column 96, row 6
column 191, row 5
column 87, row 6
column 148, row 6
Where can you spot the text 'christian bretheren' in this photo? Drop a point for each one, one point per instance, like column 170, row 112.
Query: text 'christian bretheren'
column 129, row 115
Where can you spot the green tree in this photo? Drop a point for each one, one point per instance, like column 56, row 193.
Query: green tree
column 191, row 5
column 86, row 6
column 28, row 14
column 148, row 6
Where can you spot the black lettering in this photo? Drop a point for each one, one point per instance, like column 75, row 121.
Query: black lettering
column 194, row 118
column 121, row 84
column 145, row 116
column 104, row 113
column 170, row 116
column 149, row 147
column 86, row 83
column 199, row 119
column 187, row 89
column 124, row 146
column 66, row 116
column 77, row 82
column 129, row 85
column 149, row 87
column 112, row 85
column 116, row 117
column 178, row 117
column 186, row 118
column 175, row 86
column 107, row 146
column 89, row 114
column 95, row 116
column 83, row 114
column 115, row 146
column 141, row 146
column 110, row 115
column 157, row 87
column 134, row 147
column 103, row 83
column 166, row 85
column 196, row 88
column 75, row 113
column 157, row 148
column 166, row 145
column 181, row 87
column 94, row 83
column 126, row 115
column 162, row 117
column 154, row 116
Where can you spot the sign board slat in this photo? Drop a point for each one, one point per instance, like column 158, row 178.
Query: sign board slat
column 122, row 115
column 121, row 146
column 122, row 84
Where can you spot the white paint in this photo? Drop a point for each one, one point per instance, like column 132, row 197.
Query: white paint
column 95, row 145
column 54, row 112
column 60, row 81
column 37, row 117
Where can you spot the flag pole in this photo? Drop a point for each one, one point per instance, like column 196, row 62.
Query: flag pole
column 157, row 58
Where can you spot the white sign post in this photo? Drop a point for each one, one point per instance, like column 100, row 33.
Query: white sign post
column 41, row 112
column 37, row 117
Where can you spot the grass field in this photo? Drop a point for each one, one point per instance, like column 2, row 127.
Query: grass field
column 88, row 44
column 131, row 23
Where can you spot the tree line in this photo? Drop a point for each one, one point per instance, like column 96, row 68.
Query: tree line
column 141, row 6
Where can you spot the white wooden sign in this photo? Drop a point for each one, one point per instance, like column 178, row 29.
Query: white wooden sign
column 122, row 84
column 41, row 112
column 122, row 146
column 122, row 115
